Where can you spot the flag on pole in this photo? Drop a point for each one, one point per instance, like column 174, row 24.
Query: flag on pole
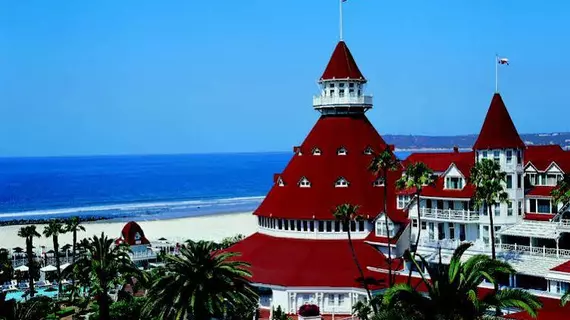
column 503, row 61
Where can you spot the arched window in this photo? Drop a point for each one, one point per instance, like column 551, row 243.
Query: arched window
column 304, row 183
column 341, row 151
column 316, row 152
column 341, row 183
column 368, row 150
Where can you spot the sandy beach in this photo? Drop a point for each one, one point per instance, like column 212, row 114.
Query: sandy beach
column 210, row 227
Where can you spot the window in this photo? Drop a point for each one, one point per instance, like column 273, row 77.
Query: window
column 532, row 205
column 424, row 225
column 543, row 205
column 461, row 232
column 340, row 299
column 286, row 223
column 415, row 223
column 509, row 209
column 368, row 150
column 381, row 228
column 280, row 182
column 378, row 182
column 360, row 225
column 520, row 208
column 299, row 226
column 509, row 156
column 341, row 151
column 351, row 92
column 353, row 226
column 431, row 233
column 304, row 183
column 532, row 178
column 341, row 92
column 331, row 85
column 312, row 226
column 551, row 179
column 329, row 226
column 441, row 231
column 454, row 183
column 403, row 200
column 321, row 226
column 509, row 181
column 331, row 300
column 292, row 224
column 485, row 154
column 451, row 231
column 486, row 234
column 496, row 156
column 341, row 183
column 341, row 85
column 279, row 224
column 351, row 85
column 337, row 226
column 497, row 209
column 304, row 225
column 331, row 92
column 519, row 157
column 519, row 181
column 316, row 152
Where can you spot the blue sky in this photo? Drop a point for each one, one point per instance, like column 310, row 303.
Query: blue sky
column 122, row 77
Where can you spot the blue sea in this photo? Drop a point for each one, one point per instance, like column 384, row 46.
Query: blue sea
column 136, row 187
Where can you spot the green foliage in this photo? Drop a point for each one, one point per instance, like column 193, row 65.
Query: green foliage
column 453, row 293
column 561, row 194
column 65, row 312
column 29, row 233
column 34, row 308
column 278, row 314
column 54, row 229
column 124, row 310
column 201, row 283
column 230, row 241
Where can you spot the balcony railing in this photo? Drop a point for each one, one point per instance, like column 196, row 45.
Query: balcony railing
column 136, row 256
column 451, row 244
column 564, row 224
column 533, row 251
column 348, row 100
column 449, row 214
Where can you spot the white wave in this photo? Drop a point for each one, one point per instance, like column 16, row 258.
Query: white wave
column 135, row 207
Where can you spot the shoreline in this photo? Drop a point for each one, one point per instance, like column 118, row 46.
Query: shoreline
column 211, row 227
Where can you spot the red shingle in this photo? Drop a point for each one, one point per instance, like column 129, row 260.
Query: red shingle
column 342, row 65
column 498, row 131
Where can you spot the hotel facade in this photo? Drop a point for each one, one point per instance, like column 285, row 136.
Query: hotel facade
column 300, row 253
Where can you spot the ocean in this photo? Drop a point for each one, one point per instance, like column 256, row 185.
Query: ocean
column 136, row 187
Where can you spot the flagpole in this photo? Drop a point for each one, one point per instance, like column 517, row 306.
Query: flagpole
column 496, row 73
column 340, row 9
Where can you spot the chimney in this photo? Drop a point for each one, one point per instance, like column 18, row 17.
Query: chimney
column 455, row 149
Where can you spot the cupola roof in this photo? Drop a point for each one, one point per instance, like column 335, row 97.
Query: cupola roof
column 342, row 65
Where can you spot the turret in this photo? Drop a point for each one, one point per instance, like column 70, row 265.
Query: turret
column 342, row 85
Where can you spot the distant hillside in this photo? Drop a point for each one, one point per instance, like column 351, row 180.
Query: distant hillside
column 411, row 142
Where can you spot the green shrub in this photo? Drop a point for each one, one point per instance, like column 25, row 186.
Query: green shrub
column 65, row 312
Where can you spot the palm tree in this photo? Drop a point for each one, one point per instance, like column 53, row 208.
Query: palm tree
column 489, row 182
column 29, row 233
column 380, row 166
column 201, row 283
column 416, row 176
column 453, row 293
column 6, row 272
column 105, row 264
column 561, row 194
column 53, row 230
column 73, row 225
column 347, row 214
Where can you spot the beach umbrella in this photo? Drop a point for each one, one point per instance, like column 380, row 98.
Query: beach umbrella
column 48, row 268
column 65, row 265
column 66, row 247
column 50, row 251
column 18, row 249
column 162, row 239
column 22, row 268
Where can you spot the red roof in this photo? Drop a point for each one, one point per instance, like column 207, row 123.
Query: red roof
column 342, row 65
column 541, row 157
column 551, row 310
column 132, row 234
column 354, row 133
column 565, row 267
column 538, row 216
column 540, row 191
column 498, row 131
column 307, row 263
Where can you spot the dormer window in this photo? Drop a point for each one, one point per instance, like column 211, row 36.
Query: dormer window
column 454, row 183
column 341, row 183
column 280, row 182
column 316, row 152
column 378, row 182
column 304, row 183
column 368, row 150
column 341, row 151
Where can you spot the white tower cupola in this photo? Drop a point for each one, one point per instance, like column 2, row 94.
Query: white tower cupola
column 342, row 85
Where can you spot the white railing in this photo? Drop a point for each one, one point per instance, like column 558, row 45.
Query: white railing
column 449, row 214
column 450, row 244
column 534, row 251
column 564, row 224
column 348, row 100
column 142, row 255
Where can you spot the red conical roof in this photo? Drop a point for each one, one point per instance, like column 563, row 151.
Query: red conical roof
column 353, row 133
column 498, row 131
column 342, row 65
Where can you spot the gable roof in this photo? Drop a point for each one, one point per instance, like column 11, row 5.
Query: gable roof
column 541, row 157
column 498, row 130
column 342, row 65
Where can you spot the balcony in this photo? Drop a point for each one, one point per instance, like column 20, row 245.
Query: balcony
column 449, row 215
column 320, row 102
column 563, row 225
column 533, row 251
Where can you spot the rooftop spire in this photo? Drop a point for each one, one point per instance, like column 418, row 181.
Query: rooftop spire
column 498, row 130
column 342, row 65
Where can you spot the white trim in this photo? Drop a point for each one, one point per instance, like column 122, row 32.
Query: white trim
column 444, row 198
column 554, row 164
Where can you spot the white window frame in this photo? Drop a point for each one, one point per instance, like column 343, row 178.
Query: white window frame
column 341, row 151
column 304, row 183
column 509, row 156
column 317, row 152
column 341, row 183
column 403, row 200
